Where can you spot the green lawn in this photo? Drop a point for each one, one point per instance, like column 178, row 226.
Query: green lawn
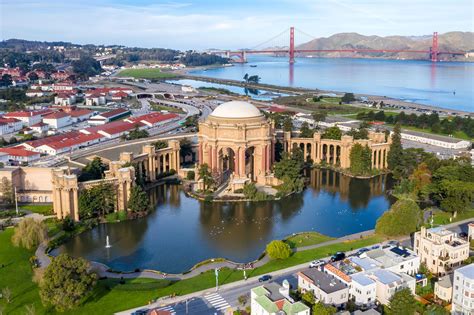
column 17, row 276
column 457, row 134
column 167, row 108
column 110, row 296
column 41, row 209
column 307, row 239
column 146, row 73
column 442, row 217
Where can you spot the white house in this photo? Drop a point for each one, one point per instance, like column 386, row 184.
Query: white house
column 65, row 99
column 396, row 258
column 28, row 117
column 57, row 120
column 435, row 140
column 106, row 117
column 40, row 127
column 273, row 299
column 363, row 289
column 388, row 282
column 326, row 288
column 10, row 125
column 95, row 99
column 21, row 155
column 463, row 290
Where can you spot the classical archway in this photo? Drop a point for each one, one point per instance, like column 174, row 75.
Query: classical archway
column 227, row 160
column 250, row 162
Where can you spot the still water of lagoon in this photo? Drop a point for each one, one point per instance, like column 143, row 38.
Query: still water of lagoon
column 182, row 231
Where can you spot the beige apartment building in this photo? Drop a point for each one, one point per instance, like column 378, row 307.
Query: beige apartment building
column 440, row 249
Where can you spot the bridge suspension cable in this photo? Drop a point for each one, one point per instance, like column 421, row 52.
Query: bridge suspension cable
column 269, row 40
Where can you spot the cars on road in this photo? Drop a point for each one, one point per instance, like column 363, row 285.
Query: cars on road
column 316, row 263
column 338, row 256
column 264, row 278
column 142, row 311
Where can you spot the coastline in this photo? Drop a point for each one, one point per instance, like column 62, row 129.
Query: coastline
column 187, row 74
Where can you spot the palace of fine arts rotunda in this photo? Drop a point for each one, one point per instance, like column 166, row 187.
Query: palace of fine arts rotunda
column 237, row 141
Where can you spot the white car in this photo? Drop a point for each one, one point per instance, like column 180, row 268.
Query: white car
column 316, row 263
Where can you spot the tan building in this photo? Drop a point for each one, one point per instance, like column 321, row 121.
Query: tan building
column 440, row 249
column 237, row 139
column 337, row 152
column 60, row 186
column 443, row 288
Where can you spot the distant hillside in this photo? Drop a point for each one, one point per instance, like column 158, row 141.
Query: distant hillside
column 452, row 41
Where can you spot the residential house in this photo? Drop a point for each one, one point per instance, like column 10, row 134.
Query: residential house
column 325, row 287
column 109, row 116
column 57, row 120
column 273, row 299
column 440, row 249
column 20, row 155
column 463, row 291
column 10, row 125
column 443, row 288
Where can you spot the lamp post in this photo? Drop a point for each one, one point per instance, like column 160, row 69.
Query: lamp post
column 216, row 271
column 16, row 203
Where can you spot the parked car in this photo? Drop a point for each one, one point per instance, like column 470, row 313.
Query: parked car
column 361, row 251
column 375, row 247
column 264, row 278
column 142, row 311
column 338, row 256
column 316, row 263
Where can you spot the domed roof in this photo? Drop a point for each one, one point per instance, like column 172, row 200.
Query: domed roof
column 236, row 109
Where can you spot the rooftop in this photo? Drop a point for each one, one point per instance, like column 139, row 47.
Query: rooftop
column 446, row 281
column 56, row 115
column 385, row 276
column 324, row 281
column 236, row 109
column 15, row 151
column 467, row 271
column 391, row 256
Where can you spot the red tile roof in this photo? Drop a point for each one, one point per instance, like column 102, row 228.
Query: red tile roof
column 115, row 112
column 40, row 124
column 70, row 142
column 80, row 112
column 153, row 118
column 15, row 151
column 120, row 94
column 41, row 112
column 56, row 115
column 115, row 127
column 8, row 120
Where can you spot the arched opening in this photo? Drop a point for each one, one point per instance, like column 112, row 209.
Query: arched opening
column 380, row 159
column 331, row 154
column 250, row 163
column 338, row 155
column 324, row 156
column 227, row 160
column 308, row 156
column 384, row 156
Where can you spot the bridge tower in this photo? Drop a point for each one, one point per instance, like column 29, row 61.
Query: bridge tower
column 434, row 51
column 292, row 45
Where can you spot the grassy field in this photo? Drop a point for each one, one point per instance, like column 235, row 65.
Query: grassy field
column 330, row 105
column 307, row 239
column 110, row 296
column 457, row 134
column 146, row 73
column 167, row 108
column 17, row 276
column 41, row 209
column 442, row 217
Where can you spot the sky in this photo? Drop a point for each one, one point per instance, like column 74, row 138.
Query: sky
column 203, row 24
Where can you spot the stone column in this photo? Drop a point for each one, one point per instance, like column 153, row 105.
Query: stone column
column 264, row 158
column 305, row 150
column 242, row 161
column 75, row 210
column 200, row 157
column 372, row 165
column 269, row 161
column 236, row 162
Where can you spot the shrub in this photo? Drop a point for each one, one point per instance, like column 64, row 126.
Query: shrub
column 403, row 218
column 278, row 250
column 191, row 175
column 30, row 233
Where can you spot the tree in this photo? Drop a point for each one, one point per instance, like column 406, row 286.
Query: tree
column 138, row 201
column 278, row 250
column 308, row 298
column 185, row 148
column 360, row 157
column 289, row 166
column 30, row 233
column 403, row 218
column 287, row 124
column 319, row 116
column 160, row 144
column 86, row 67
column 348, row 97
column 190, row 175
column 6, row 80
column 321, row 309
column 137, row 134
column 305, row 131
column 93, row 170
column 246, row 77
column 33, row 76
column 6, row 189
column 206, row 176
column 97, row 201
column 7, row 294
column 332, row 133
column 421, row 178
column 394, row 156
column 66, row 281
column 402, row 302
column 250, row 190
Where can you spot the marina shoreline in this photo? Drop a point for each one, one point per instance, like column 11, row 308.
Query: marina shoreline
column 187, row 74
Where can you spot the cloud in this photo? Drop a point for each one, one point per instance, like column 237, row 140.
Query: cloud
column 222, row 24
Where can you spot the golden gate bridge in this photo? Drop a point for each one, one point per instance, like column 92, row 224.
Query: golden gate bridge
column 240, row 56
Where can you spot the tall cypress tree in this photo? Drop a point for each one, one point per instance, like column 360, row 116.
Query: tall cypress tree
column 394, row 157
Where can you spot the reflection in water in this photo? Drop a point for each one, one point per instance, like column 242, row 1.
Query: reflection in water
column 183, row 231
